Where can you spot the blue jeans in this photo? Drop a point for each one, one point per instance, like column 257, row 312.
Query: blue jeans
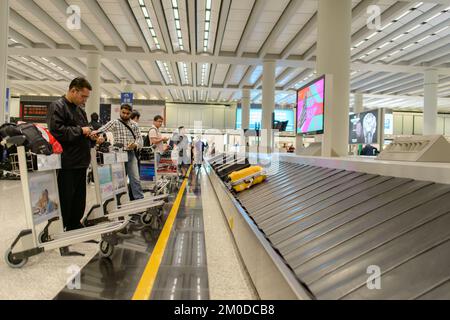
column 133, row 174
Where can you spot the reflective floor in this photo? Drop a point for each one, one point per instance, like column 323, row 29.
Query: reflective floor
column 182, row 274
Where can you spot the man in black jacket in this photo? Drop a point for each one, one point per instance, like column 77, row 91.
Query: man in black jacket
column 68, row 123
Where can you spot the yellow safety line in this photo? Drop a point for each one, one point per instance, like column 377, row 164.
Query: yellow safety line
column 145, row 286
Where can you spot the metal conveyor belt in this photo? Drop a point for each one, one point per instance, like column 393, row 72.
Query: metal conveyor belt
column 330, row 225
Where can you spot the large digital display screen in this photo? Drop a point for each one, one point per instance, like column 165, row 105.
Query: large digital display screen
column 364, row 127
column 256, row 118
column 310, row 107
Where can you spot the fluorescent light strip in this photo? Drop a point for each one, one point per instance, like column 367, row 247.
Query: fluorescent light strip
column 207, row 26
column 149, row 23
column 176, row 14
column 402, row 15
column 435, row 16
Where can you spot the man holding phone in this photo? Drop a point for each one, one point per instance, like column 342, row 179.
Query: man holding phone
column 68, row 123
column 127, row 132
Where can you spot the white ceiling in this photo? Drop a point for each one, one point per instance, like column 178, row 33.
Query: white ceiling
column 131, row 34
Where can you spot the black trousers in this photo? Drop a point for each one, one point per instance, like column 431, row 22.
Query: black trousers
column 72, row 194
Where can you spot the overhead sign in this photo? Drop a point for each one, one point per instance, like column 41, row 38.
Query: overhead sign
column 126, row 98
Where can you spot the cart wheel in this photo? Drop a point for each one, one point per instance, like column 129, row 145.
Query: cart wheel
column 146, row 218
column 106, row 249
column 12, row 262
column 156, row 223
column 44, row 237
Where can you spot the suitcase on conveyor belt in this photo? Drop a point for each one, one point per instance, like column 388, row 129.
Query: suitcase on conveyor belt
column 232, row 167
column 245, row 179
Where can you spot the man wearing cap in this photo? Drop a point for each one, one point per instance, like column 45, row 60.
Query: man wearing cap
column 127, row 132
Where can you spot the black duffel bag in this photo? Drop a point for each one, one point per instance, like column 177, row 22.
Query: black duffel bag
column 35, row 142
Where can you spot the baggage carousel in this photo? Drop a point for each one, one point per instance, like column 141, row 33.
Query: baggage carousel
column 341, row 229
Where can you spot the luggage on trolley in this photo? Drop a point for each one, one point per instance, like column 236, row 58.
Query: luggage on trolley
column 44, row 228
column 245, row 179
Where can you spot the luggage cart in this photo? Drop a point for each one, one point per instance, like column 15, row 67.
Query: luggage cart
column 112, row 193
column 167, row 172
column 42, row 207
column 162, row 180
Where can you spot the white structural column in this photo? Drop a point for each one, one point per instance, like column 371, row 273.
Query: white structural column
column 245, row 109
column 333, row 58
column 4, row 25
column 93, row 76
column 430, row 102
column 359, row 103
column 268, row 103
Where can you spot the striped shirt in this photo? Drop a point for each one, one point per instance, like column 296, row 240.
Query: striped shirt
column 122, row 134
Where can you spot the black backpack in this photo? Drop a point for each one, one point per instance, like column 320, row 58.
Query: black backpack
column 35, row 142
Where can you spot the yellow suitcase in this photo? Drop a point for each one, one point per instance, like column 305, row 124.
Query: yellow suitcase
column 245, row 179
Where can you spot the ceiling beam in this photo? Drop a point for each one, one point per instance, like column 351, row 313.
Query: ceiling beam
column 423, row 50
column 18, row 75
column 212, row 74
column 137, row 67
column 31, row 29
column 194, row 74
column 398, row 31
column 431, row 55
column 126, row 10
column 297, row 79
column 381, row 87
column 46, row 19
column 307, row 29
column 440, row 61
column 62, row 6
column 256, row 12
column 223, row 18
column 61, row 73
column 401, row 45
column 246, row 76
column 34, row 68
column 284, row 74
column 27, row 74
column 162, row 21
column 388, row 15
column 192, row 25
column 375, row 80
column 258, row 82
column 102, row 18
column 229, row 74
column 289, row 12
column 366, row 78
column 20, row 38
column 124, row 72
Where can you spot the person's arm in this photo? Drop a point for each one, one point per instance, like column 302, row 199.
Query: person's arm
column 139, row 140
column 61, row 131
column 107, row 127
column 153, row 137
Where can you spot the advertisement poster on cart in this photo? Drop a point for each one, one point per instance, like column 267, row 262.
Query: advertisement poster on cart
column 106, row 182
column 44, row 197
column 118, row 176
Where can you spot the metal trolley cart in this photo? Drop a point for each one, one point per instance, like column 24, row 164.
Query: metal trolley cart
column 112, row 192
column 160, row 181
column 44, row 229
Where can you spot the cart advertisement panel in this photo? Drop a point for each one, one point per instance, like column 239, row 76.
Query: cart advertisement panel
column 106, row 182
column 44, row 197
column 118, row 176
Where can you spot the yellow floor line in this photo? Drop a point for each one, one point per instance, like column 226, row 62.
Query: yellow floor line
column 145, row 286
